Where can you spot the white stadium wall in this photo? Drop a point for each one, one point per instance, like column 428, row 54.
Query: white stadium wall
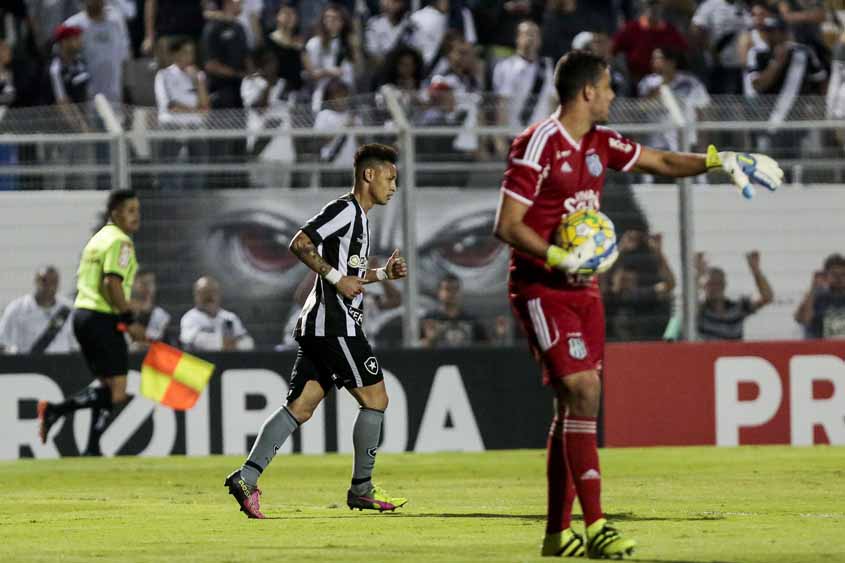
column 794, row 230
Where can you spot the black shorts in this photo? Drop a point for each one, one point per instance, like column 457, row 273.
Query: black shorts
column 341, row 361
column 103, row 346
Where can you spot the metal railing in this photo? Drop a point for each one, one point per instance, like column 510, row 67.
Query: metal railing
column 122, row 149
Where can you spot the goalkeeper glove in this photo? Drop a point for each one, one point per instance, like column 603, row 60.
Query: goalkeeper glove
column 570, row 262
column 746, row 169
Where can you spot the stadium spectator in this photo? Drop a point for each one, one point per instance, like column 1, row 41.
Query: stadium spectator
column 720, row 318
column 780, row 66
column 208, row 326
column 226, row 57
column 155, row 319
column 105, row 47
column 497, row 22
column 445, row 110
column 687, row 88
column 639, row 296
column 638, row 39
column 835, row 100
column 43, row 18
column 337, row 150
column 431, row 24
column 759, row 10
column 460, row 67
column 37, row 323
column 524, row 82
column 716, row 28
column 67, row 86
column 404, row 70
column 822, row 311
column 266, row 95
column 387, row 31
column 449, row 325
column 8, row 93
column 598, row 43
column 564, row 19
column 287, row 46
column 805, row 19
column 249, row 18
column 310, row 11
column 332, row 52
column 785, row 68
column 170, row 18
column 182, row 98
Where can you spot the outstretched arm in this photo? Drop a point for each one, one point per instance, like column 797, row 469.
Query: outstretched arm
column 672, row 164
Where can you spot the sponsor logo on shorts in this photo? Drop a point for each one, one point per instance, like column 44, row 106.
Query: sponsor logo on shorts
column 371, row 365
column 372, row 452
column 577, row 348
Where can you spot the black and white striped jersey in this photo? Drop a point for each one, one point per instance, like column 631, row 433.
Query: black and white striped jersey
column 341, row 233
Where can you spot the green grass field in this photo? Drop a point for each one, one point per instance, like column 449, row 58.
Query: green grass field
column 682, row 504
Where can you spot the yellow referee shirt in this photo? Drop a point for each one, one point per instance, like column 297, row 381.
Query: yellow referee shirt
column 110, row 251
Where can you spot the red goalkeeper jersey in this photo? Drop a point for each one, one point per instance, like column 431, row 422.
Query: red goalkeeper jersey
column 554, row 175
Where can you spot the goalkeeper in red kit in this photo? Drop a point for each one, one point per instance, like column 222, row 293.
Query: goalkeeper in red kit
column 556, row 167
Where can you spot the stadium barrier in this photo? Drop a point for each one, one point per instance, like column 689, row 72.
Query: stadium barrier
column 725, row 394
column 461, row 400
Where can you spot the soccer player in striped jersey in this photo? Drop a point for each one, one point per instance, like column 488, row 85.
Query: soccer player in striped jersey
column 333, row 350
column 556, row 167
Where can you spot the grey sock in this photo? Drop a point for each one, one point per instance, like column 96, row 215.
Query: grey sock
column 365, row 439
column 274, row 432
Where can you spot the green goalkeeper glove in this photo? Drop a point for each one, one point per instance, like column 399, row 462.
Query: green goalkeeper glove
column 746, row 169
column 571, row 262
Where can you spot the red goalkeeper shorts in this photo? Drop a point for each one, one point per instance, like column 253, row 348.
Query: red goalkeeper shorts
column 565, row 328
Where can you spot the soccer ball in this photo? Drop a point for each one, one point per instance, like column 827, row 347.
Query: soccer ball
column 577, row 227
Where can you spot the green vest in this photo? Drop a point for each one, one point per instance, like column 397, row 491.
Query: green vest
column 110, row 251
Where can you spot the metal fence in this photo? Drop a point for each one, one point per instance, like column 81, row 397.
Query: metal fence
column 454, row 149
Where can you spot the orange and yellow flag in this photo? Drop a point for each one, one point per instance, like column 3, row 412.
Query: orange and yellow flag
column 173, row 378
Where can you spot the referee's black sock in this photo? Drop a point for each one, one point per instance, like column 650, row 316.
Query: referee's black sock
column 87, row 398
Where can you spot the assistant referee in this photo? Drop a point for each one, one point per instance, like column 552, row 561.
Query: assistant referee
column 101, row 316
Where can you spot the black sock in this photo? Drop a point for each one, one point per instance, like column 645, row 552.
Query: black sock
column 87, row 398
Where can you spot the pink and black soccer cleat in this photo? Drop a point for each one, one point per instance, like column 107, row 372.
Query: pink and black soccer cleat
column 376, row 499
column 247, row 497
column 46, row 419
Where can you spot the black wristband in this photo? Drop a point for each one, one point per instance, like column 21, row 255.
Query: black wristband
column 127, row 318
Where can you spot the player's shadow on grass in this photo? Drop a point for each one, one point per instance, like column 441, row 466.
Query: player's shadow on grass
column 617, row 517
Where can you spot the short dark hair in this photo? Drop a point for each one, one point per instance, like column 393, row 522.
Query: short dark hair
column 117, row 198
column 834, row 260
column 450, row 278
column 575, row 70
column 175, row 44
column 374, row 152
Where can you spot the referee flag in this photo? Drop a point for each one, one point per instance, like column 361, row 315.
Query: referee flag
column 173, row 378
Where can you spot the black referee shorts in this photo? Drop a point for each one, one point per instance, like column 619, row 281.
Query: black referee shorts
column 103, row 346
column 334, row 360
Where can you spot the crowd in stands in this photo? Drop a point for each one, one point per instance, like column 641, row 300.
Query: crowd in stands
column 189, row 56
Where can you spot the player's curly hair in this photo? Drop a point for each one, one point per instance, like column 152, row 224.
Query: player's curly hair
column 574, row 71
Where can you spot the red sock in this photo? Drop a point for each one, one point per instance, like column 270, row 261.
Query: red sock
column 582, row 454
column 561, row 489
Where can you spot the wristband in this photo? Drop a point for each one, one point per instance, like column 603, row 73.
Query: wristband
column 381, row 274
column 124, row 320
column 555, row 255
column 333, row 276
column 712, row 160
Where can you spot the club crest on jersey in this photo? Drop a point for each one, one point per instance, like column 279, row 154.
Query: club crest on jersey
column 577, row 348
column 356, row 261
column 594, row 166
column 371, row 364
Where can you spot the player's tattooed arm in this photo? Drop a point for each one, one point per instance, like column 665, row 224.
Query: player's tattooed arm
column 304, row 249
